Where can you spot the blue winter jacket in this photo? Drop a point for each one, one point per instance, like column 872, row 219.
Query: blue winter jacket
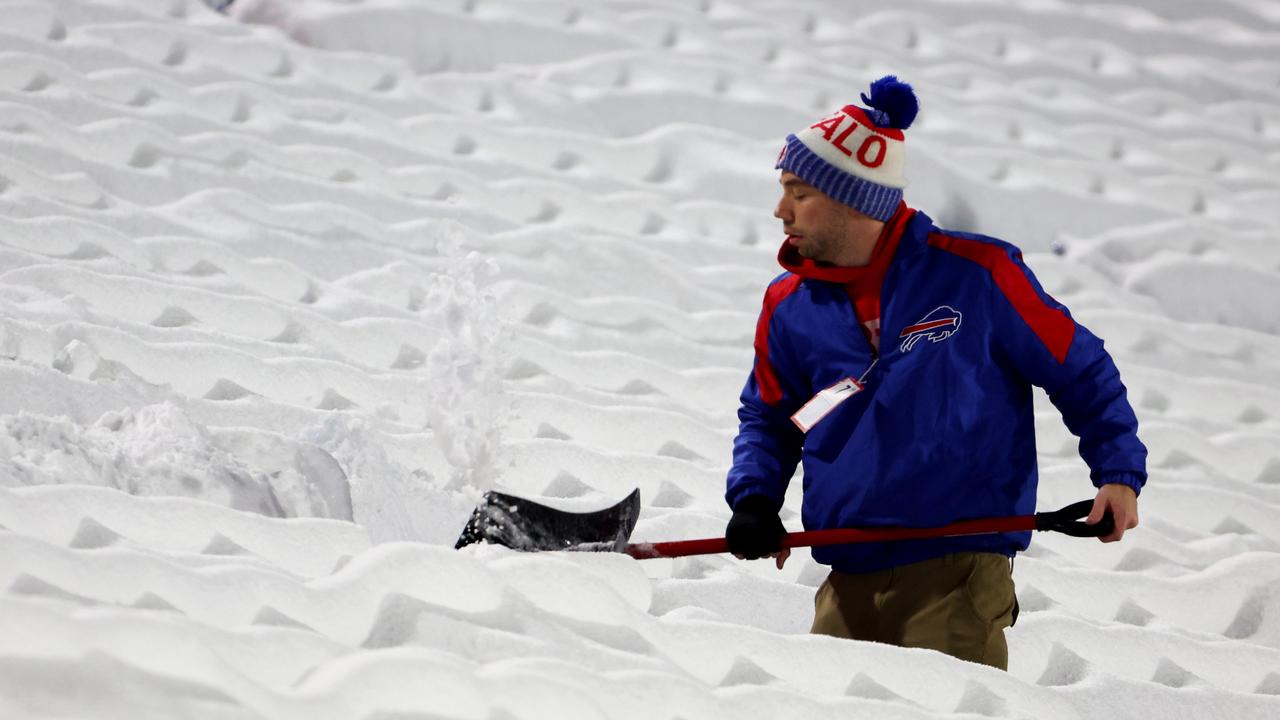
column 944, row 429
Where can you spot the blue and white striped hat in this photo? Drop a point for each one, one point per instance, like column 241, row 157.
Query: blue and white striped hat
column 856, row 155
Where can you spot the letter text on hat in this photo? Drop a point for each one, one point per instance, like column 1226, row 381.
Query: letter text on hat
column 866, row 148
column 828, row 125
column 839, row 141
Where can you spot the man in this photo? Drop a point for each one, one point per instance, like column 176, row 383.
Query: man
column 897, row 360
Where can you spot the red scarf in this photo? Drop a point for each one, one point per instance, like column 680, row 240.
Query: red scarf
column 861, row 283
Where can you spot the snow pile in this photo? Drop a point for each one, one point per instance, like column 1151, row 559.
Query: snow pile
column 157, row 450
column 278, row 305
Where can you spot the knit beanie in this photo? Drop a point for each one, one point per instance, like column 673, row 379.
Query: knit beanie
column 855, row 155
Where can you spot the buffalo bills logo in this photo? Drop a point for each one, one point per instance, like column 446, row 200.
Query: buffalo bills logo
column 940, row 324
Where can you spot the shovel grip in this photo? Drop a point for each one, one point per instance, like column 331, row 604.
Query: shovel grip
column 1065, row 521
column 1069, row 521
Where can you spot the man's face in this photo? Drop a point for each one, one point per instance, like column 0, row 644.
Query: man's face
column 815, row 224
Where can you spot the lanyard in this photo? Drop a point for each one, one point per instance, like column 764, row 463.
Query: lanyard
column 828, row 399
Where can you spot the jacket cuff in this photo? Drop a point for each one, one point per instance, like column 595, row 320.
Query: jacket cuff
column 1132, row 480
column 758, row 502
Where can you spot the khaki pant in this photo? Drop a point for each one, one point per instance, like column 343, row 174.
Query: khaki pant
column 958, row 604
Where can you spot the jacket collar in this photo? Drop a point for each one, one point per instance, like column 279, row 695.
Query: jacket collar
column 881, row 257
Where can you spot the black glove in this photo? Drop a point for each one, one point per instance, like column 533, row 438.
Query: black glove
column 755, row 530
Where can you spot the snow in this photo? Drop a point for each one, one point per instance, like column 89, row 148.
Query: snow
column 282, row 293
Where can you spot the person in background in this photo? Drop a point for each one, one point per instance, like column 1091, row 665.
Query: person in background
column 275, row 13
column 897, row 360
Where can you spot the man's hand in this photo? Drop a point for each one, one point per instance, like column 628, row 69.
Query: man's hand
column 779, row 558
column 755, row 531
column 1122, row 501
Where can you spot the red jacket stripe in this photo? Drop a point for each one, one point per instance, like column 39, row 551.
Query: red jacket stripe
column 766, row 378
column 1050, row 324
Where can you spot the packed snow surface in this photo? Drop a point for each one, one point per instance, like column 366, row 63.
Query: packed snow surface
column 284, row 291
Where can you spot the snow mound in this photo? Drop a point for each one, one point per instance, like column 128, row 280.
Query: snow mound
column 283, row 292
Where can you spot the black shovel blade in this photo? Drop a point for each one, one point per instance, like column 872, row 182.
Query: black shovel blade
column 526, row 525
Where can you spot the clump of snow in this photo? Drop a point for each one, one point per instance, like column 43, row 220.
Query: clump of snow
column 391, row 501
column 466, row 408
column 158, row 450
column 468, row 405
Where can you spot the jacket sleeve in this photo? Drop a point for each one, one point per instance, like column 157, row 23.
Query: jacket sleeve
column 768, row 446
column 1044, row 344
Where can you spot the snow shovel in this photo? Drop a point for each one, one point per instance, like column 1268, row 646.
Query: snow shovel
column 526, row 525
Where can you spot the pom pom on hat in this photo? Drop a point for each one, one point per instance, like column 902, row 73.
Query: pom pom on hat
column 856, row 155
column 895, row 100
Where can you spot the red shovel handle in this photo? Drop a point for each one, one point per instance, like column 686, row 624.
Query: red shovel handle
column 1062, row 521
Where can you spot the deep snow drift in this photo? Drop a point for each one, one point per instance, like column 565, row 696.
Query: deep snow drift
column 282, row 294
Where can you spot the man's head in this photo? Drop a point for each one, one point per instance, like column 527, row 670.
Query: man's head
column 816, row 224
column 855, row 156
